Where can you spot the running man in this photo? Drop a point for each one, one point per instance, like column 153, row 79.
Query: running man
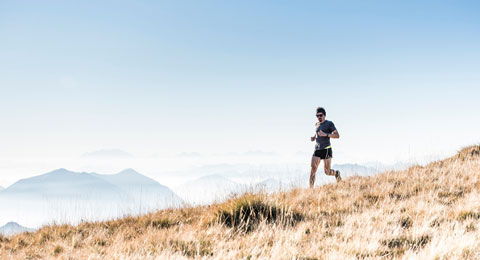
column 324, row 130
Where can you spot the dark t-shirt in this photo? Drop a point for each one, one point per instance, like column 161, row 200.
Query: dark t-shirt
column 327, row 127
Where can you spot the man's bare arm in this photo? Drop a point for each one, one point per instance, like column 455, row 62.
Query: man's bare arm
column 334, row 134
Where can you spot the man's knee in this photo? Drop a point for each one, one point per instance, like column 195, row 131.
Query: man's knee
column 327, row 171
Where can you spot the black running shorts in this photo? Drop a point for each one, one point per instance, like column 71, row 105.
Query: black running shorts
column 323, row 153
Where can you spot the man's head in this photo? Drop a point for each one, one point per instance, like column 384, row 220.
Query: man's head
column 321, row 114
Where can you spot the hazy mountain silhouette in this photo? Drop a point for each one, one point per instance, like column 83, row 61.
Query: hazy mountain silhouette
column 69, row 197
column 12, row 228
column 141, row 188
column 64, row 184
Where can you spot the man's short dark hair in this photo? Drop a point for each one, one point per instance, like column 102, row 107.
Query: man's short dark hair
column 321, row 110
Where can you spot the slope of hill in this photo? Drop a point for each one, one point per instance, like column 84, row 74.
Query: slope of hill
column 430, row 212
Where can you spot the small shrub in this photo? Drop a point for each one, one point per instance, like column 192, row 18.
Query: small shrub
column 192, row 248
column 402, row 242
column 3, row 239
column 362, row 255
column 436, row 223
column 77, row 244
column 395, row 242
column 45, row 237
column 161, row 223
column 397, row 184
column 63, row 231
column 32, row 254
column 335, row 221
column 21, row 243
column 395, row 252
column 470, row 227
column 57, row 250
column 405, row 222
column 468, row 214
column 371, row 198
column 397, row 246
column 398, row 196
column 245, row 214
column 100, row 242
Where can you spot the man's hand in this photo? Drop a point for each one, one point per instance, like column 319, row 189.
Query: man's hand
column 312, row 138
column 320, row 133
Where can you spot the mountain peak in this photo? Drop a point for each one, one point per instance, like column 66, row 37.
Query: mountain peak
column 12, row 224
column 12, row 228
column 60, row 171
column 128, row 171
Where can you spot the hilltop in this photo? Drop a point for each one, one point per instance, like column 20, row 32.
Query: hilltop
column 423, row 212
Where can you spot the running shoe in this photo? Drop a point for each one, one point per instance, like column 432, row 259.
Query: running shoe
column 337, row 176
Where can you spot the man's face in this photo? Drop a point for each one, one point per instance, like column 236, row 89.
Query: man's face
column 321, row 117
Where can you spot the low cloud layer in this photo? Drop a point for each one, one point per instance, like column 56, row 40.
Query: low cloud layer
column 110, row 153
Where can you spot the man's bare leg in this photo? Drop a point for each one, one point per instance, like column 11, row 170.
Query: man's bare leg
column 327, row 167
column 314, row 165
column 329, row 171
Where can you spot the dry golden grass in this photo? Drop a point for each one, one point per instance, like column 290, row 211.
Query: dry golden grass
column 430, row 212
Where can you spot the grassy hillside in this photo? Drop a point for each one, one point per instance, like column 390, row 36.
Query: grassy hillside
column 430, row 212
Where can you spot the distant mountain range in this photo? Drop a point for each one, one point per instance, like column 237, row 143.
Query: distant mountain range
column 141, row 188
column 66, row 196
column 12, row 228
column 63, row 184
column 127, row 185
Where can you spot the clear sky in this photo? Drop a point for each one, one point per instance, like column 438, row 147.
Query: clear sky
column 173, row 80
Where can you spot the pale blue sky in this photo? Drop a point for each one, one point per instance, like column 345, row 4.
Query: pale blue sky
column 400, row 79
